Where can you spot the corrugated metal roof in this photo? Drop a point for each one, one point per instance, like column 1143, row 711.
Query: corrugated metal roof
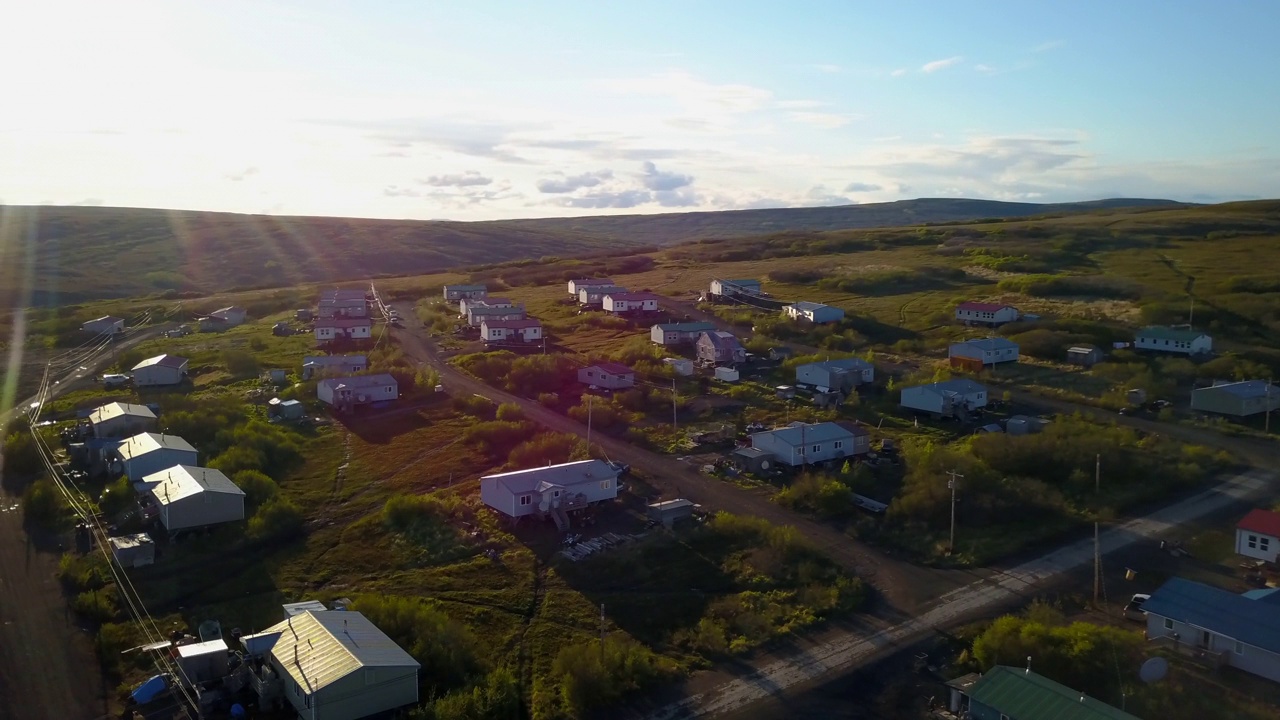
column 805, row 305
column 990, row 343
column 328, row 360
column 208, row 647
column 319, row 648
column 798, row 433
column 359, row 381
column 688, row 327
column 564, row 475
column 958, row 386
column 1025, row 695
column 1221, row 611
column 842, row 364
column 172, row 361
column 614, row 368
column 117, row 409
column 183, row 481
column 143, row 443
column 1244, row 389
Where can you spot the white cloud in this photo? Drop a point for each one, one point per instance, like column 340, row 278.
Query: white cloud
column 1051, row 45
column 936, row 65
column 462, row 179
column 656, row 180
column 860, row 187
column 985, row 69
column 561, row 183
column 826, row 121
column 899, row 72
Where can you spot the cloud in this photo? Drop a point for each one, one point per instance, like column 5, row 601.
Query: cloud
column 462, row 137
column 562, row 183
column 860, row 187
column 827, row 68
column 820, row 196
column 985, row 69
column 800, row 104
column 655, row 179
column 244, row 174
column 899, row 72
column 1047, row 46
column 464, row 179
column 695, row 95
column 936, row 65
column 826, row 121
column 598, row 200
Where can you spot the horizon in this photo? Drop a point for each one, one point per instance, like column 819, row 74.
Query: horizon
column 496, row 110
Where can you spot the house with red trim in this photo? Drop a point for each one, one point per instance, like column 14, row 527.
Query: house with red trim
column 510, row 331
column 1258, row 535
column 980, row 313
column 331, row 329
column 630, row 302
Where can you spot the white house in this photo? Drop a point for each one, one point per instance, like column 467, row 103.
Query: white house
column 494, row 302
column 679, row 366
column 729, row 288
column 500, row 331
column 333, row 665
column 347, row 392
column 313, row 365
column 575, row 286
column 805, row 444
column 477, row 314
column 630, row 302
column 232, row 316
column 843, row 374
column 117, row 419
column 594, row 294
column 679, row 333
column 458, row 292
column 147, row 453
column 987, row 351
column 194, row 497
column 343, row 306
column 543, row 490
column 334, row 329
column 813, row 312
column 160, row 370
column 105, row 325
column 1258, row 535
column 980, row 313
column 945, row 398
column 1173, row 340
column 1242, row 631
column 608, row 375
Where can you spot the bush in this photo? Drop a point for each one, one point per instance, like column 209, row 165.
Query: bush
column 84, row 572
column 548, row 448
column 441, row 644
column 499, row 698
column 21, row 454
column 257, row 445
column 44, row 504
column 1079, row 655
column 498, row 437
column 590, row 678
column 818, row 495
column 257, row 487
column 475, row 406
column 510, row 412
column 240, row 363
column 96, row 605
column 116, row 497
column 279, row 518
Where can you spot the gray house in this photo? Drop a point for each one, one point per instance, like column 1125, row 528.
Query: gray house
column 986, row 351
column 804, row 444
column 1008, row 693
column 678, row 333
column 550, row 491
column 332, row 665
column 147, row 453
column 1217, row 625
column 843, row 374
column 458, row 292
column 718, row 346
column 1238, row 399
column 121, row 420
column 608, row 375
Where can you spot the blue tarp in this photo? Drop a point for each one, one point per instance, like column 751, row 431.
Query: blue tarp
column 147, row 691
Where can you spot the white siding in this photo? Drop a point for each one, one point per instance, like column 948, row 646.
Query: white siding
column 917, row 398
column 1251, row 659
column 1257, row 545
column 155, row 461
column 496, row 496
column 202, row 510
column 157, row 375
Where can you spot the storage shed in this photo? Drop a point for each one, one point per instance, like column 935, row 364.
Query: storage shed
column 105, row 325
column 668, row 512
column 727, row 374
column 679, row 366
column 133, row 550
column 160, row 370
column 202, row 662
column 194, row 497
column 753, row 460
column 1084, row 355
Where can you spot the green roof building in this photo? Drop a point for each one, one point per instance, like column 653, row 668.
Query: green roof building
column 1007, row 693
column 1184, row 341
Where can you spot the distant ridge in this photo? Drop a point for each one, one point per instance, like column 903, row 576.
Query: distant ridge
column 85, row 253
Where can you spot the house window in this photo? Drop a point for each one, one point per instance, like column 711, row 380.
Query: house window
column 555, row 493
column 839, row 444
column 1168, row 623
column 526, row 499
column 1264, row 544
column 1253, row 542
column 604, row 484
column 389, row 388
column 817, row 448
column 1239, row 648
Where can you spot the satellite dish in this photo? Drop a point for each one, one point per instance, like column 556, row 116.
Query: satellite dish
column 1154, row 670
column 764, row 464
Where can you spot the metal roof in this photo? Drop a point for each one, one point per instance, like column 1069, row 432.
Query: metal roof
column 990, row 343
column 586, row 282
column 209, row 647
column 110, row 411
column 613, row 368
column 143, row 443
column 842, row 364
column 565, row 475
column 632, row 296
column 751, row 453
column 697, row 326
column 1262, row 521
column 343, row 322
column 184, row 481
column 172, row 361
column 122, row 542
column 359, row 381
column 1245, row 389
column 982, row 307
column 513, row 324
column 809, row 306
column 1025, row 695
column 105, row 318
column 677, row 504
column 467, row 287
column 326, row 360
column 798, row 433
column 956, row 386
column 317, row 649
column 1160, row 332
column 721, row 340
column 1081, row 349
column 1221, row 611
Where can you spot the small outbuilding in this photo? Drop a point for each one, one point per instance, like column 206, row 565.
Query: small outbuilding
column 576, row 286
column 668, row 512
column 842, row 375
column 1237, row 399
column 160, row 370
column 303, row 314
column 205, row 661
column 1258, row 535
column 117, row 420
column 753, row 460
column 194, row 497
column 1084, row 355
column 727, row 374
column 608, row 375
column 1024, row 425
column 733, row 288
column 679, row 366
column 813, row 312
column 348, row 392
column 133, row 550
column 286, row 409
column 105, row 325
column 295, row 609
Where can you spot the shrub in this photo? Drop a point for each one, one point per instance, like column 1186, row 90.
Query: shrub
column 548, row 448
column 498, row 698
column 510, row 412
column 84, row 572
column 116, row 497
column 96, row 605
column 257, row 487
column 818, row 495
column 21, row 454
column 590, row 678
column 240, row 363
column 279, row 518
column 44, row 504
column 473, row 405
column 498, row 437
column 257, row 445
column 441, row 644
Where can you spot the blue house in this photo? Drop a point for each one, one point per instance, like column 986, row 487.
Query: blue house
column 1217, row 625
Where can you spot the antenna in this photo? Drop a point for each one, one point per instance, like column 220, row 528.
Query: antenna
column 1028, row 664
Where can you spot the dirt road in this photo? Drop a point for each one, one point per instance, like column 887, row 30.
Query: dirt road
column 48, row 670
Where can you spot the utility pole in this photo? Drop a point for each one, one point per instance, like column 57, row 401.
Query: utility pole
column 951, row 547
column 1097, row 474
column 601, row 633
column 589, row 396
column 674, row 414
column 1266, row 423
column 1097, row 565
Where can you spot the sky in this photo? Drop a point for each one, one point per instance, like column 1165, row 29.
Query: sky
column 489, row 109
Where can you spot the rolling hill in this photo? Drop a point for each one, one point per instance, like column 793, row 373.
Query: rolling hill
column 57, row 255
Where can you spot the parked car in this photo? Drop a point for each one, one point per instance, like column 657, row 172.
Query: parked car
column 621, row 468
column 1133, row 610
column 115, row 380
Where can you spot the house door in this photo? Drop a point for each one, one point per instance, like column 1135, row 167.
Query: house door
column 1205, row 639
